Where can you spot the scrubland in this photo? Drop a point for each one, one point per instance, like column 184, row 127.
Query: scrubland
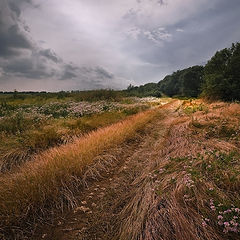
column 186, row 188
column 31, row 190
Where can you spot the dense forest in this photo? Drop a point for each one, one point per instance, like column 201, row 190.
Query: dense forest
column 218, row 79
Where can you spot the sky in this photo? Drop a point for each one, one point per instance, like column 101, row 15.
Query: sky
column 91, row 44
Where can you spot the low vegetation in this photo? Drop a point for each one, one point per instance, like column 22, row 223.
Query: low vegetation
column 76, row 96
column 195, row 179
column 27, row 129
column 188, row 190
column 48, row 183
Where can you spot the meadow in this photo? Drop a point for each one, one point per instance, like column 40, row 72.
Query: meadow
column 30, row 124
column 178, row 160
column 189, row 188
column 46, row 144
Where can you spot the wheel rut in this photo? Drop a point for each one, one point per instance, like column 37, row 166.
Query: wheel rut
column 102, row 201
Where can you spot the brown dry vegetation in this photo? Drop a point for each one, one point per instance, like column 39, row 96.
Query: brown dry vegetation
column 49, row 182
column 180, row 181
column 24, row 135
column 196, row 179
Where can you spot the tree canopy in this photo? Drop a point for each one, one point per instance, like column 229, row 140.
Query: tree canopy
column 222, row 75
column 218, row 79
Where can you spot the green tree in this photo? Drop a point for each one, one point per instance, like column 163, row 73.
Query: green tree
column 222, row 75
column 186, row 82
column 191, row 80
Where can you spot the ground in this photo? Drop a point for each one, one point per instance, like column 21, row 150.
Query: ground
column 176, row 178
column 101, row 203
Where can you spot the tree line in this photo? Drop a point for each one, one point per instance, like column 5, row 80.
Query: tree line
column 218, row 79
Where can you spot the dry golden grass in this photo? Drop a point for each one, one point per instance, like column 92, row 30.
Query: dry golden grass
column 194, row 178
column 51, row 180
column 21, row 147
column 191, row 180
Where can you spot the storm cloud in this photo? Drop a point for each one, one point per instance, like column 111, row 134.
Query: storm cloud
column 76, row 44
column 22, row 59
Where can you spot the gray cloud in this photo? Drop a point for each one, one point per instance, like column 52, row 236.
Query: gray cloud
column 72, row 44
column 12, row 40
column 12, row 37
column 69, row 72
column 48, row 53
column 103, row 73
column 15, row 5
column 30, row 67
column 97, row 76
column 22, row 58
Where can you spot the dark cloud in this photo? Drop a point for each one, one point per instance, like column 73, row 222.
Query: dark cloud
column 138, row 41
column 15, row 8
column 69, row 72
column 12, row 36
column 95, row 76
column 12, row 40
column 22, row 66
column 20, row 57
column 29, row 67
column 48, row 53
column 25, row 68
column 15, row 5
column 103, row 74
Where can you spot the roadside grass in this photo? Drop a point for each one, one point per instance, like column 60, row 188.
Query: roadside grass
column 209, row 184
column 192, row 190
column 204, row 177
column 50, row 182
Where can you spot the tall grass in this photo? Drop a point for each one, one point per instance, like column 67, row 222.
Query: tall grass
column 23, row 136
column 190, row 189
column 50, row 181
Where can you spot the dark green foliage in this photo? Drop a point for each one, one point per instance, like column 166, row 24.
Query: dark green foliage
column 149, row 89
column 191, row 81
column 186, row 82
column 222, row 75
column 169, row 85
column 219, row 79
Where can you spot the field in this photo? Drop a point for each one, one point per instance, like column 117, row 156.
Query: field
column 31, row 124
column 119, row 168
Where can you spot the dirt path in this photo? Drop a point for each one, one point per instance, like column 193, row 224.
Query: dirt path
column 101, row 203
